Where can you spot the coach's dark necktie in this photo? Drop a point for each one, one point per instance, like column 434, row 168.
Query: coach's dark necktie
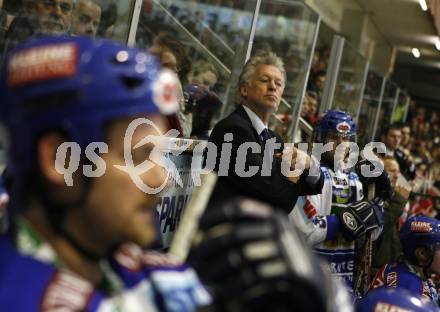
column 265, row 135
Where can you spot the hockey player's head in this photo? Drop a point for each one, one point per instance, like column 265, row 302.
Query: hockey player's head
column 393, row 299
column 71, row 89
column 420, row 239
column 334, row 127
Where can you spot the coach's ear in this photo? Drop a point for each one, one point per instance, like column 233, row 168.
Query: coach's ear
column 47, row 147
column 243, row 90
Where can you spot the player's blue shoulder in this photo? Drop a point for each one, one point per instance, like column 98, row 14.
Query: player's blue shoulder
column 149, row 285
column 15, row 271
column 399, row 275
column 27, row 284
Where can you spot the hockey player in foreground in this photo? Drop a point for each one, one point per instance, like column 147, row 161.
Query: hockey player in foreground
column 334, row 219
column 78, row 247
column 252, row 259
column 420, row 239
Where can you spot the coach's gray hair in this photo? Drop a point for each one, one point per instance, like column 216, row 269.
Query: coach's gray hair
column 265, row 58
column 262, row 58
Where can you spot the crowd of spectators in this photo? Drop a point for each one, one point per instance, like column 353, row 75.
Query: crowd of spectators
column 24, row 19
column 419, row 158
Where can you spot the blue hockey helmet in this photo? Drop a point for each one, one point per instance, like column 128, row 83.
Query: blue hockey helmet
column 335, row 122
column 419, row 231
column 393, row 299
column 76, row 85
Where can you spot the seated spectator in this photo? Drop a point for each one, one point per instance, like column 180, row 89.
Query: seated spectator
column 317, row 85
column 51, row 17
column 308, row 113
column 203, row 73
column 312, row 114
column 406, row 137
column 171, row 52
column 5, row 20
column 172, row 55
column 420, row 180
column 387, row 247
column 202, row 101
column 392, row 138
column 39, row 17
column 86, row 18
column 107, row 23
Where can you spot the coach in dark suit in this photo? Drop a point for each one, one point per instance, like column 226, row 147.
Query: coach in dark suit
column 261, row 85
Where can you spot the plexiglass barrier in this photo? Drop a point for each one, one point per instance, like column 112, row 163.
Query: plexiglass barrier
column 350, row 81
column 373, row 93
column 390, row 97
column 289, row 30
column 202, row 42
column 318, row 77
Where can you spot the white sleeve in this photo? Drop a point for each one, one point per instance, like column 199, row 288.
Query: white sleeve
column 304, row 217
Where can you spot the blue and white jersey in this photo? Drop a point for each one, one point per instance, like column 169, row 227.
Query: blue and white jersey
column 29, row 284
column 314, row 216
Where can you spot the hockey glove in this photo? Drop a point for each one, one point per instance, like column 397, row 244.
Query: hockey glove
column 359, row 218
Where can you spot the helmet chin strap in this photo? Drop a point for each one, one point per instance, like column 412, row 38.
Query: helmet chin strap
column 56, row 213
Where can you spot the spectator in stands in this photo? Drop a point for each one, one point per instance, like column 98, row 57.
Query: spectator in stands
column 306, row 107
column 172, row 55
column 436, row 167
column 38, row 17
column 203, row 73
column 201, row 100
column 419, row 181
column 387, row 247
column 317, row 85
column 52, row 17
column 309, row 108
column 5, row 20
column 392, row 138
column 107, row 23
column 86, row 18
column 406, row 136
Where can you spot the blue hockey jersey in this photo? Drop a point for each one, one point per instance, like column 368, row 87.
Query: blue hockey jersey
column 404, row 275
column 31, row 284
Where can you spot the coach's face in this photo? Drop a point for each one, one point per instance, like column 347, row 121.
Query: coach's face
column 264, row 90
